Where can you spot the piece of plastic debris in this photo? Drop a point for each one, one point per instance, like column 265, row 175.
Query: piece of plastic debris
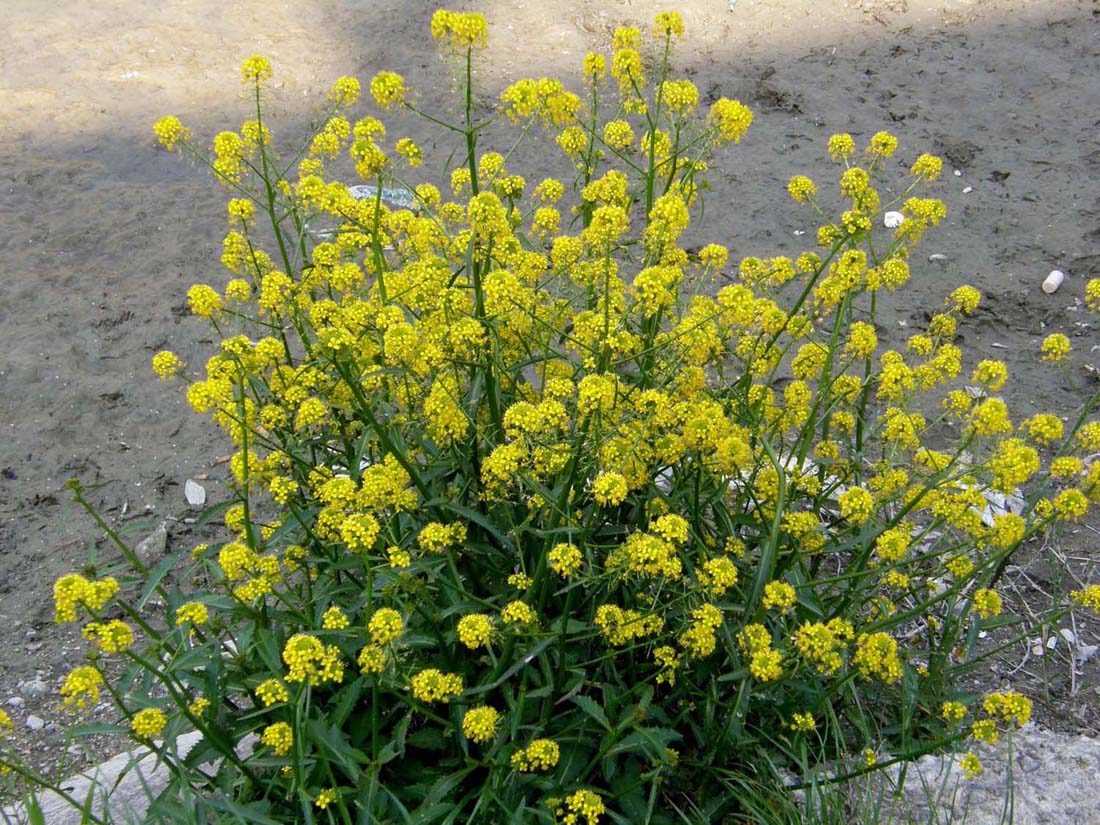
column 1053, row 281
column 399, row 198
column 892, row 220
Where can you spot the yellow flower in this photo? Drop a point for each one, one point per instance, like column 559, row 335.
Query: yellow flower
column 953, row 711
column 609, row 489
column 203, row 300
column 883, row 144
column 461, row 30
column 669, row 23
column 778, row 595
column 540, row 755
column 970, row 765
column 803, row 722
column 583, row 803
column 517, row 612
column 1089, row 597
column 279, row 737
column 1009, row 705
column 111, row 637
column 877, row 655
column 256, row 68
column 271, row 692
column 148, row 723
column 1092, row 294
column 618, row 135
column 1055, row 347
column 166, row 364
column 480, row 724
column 966, row 299
column 432, row 685
column 801, row 188
column 81, row 686
column 371, row 659
column 388, row 89
column 475, row 630
column 170, row 131
column 594, row 67
column 730, row 118
column 987, row 603
column 856, row 505
column 334, row 619
column 385, row 626
column 841, row 146
column 325, row 798
column 565, row 559
column 928, row 167
column 345, row 91
column 193, row 612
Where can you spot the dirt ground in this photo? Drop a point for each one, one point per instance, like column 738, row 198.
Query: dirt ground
column 101, row 232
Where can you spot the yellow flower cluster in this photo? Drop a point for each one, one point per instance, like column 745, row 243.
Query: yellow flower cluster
column 475, row 630
column 461, row 30
column 73, row 590
column 279, row 737
column 310, row 661
column 81, row 686
column 540, row 755
column 480, row 724
column 584, row 804
column 431, row 685
column 148, row 722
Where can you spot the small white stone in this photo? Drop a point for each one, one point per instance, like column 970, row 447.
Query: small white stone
column 892, row 220
column 15, row 702
column 958, row 174
column 35, row 722
column 195, row 493
column 968, row 190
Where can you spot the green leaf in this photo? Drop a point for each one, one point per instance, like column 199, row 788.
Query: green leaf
column 333, row 741
column 34, row 811
column 156, row 576
column 255, row 813
column 649, row 742
column 476, row 517
column 428, row 739
column 592, row 709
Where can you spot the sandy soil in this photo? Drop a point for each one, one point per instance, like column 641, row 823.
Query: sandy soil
column 101, row 232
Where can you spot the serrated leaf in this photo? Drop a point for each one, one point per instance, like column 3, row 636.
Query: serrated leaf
column 592, row 709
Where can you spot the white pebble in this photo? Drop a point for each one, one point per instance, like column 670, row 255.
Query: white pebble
column 968, row 190
column 892, row 220
column 35, row 722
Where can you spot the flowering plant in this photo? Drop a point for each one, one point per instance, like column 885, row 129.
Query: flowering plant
column 536, row 525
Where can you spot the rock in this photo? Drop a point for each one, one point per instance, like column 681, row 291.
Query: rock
column 120, row 789
column 35, row 722
column 15, row 702
column 34, row 689
column 195, row 493
column 1046, row 772
column 151, row 549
